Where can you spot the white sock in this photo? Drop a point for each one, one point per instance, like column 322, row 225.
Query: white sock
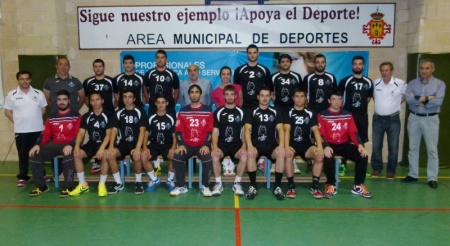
column 219, row 179
column 237, row 179
column 138, row 177
column 171, row 175
column 152, row 175
column 117, row 178
column 81, row 178
column 103, row 178
column 157, row 163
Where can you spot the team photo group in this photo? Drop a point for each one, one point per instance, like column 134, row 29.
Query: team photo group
column 258, row 114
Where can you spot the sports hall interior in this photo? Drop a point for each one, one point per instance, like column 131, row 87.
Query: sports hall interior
column 398, row 214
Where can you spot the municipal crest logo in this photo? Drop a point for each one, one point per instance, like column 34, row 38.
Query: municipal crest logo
column 376, row 29
column 71, row 84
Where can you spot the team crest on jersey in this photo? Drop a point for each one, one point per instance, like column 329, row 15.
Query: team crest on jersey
column 71, row 84
column 356, row 100
column 70, row 126
column 320, row 96
column 194, row 135
column 136, row 83
column 262, row 131
column 328, row 82
column 203, row 122
column 168, row 79
column 259, row 74
column 168, row 126
column 306, row 120
column 238, row 119
column 251, row 89
column 298, row 134
column 229, row 134
column 103, row 124
column 271, row 118
column 366, row 87
column 106, row 87
column 159, row 89
column 284, row 94
column 136, row 119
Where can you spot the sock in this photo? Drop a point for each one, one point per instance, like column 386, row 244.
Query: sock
column 103, row 178
column 278, row 177
column 315, row 182
column 157, row 163
column 171, row 175
column 218, row 179
column 152, row 175
column 252, row 177
column 138, row 177
column 291, row 184
column 237, row 179
column 117, row 178
column 81, row 178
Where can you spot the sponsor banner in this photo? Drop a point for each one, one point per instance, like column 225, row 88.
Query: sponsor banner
column 210, row 62
column 236, row 26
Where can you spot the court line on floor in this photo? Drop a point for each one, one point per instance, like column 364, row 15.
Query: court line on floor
column 237, row 221
column 445, row 210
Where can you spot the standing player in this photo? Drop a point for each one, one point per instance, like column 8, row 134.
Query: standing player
column 58, row 138
column 337, row 127
column 358, row 90
column 282, row 86
column 300, row 129
column 129, row 80
column 98, row 124
column 103, row 84
column 162, row 81
column 130, row 130
column 227, row 140
column 263, row 124
column 160, row 138
column 252, row 76
column 193, row 132
column 24, row 106
column 319, row 86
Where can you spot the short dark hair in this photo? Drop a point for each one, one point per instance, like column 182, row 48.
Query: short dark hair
column 127, row 90
column 160, row 96
column 320, row 56
column 299, row 89
column 223, row 68
column 229, row 88
column 95, row 93
column 263, row 89
column 161, row 52
column 128, row 57
column 387, row 64
column 336, row 92
column 252, row 46
column 358, row 58
column 22, row 72
column 284, row 56
column 62, row 58
column 98, row 61
column 63, row 92
column 195, row 86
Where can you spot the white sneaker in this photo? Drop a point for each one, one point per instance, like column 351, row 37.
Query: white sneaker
column 272, row 169
column 237, row 188
column 206, row 191
column 178, row 191
column 296, row 170
column 217, row 190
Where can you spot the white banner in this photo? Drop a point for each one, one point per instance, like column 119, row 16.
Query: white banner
column 237, row 26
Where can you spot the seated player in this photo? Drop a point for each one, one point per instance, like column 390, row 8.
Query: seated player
column 300, row 128
column 98, row 124
column 226, row 140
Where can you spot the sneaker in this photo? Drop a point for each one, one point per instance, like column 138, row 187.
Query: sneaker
column 342, row 170
column 217, row 189
column 170, row 184
column 237, row 189
column 316, row 193
column 309, row 165
column 251, row 193
column 21, row 183
column 47, row 179
column 330, row 191
column 278, row 193
column 139, row 190
column 291, row 193
column 206, row 191
column 390, row 176
column 79, row 189
column 102, row 192
column 179, row 190
column 64, row 192
column 376, row 174
column 362, row 191
column 272, row 169
column 38, row 191
column 296, row 170
column 95, row 168
column 113, row 189
column 152, row 185
column 157, row 171
column 261, row 165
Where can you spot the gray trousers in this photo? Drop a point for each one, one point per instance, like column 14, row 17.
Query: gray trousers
column 179, row 164
column 428, row 127
column 47, row 153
